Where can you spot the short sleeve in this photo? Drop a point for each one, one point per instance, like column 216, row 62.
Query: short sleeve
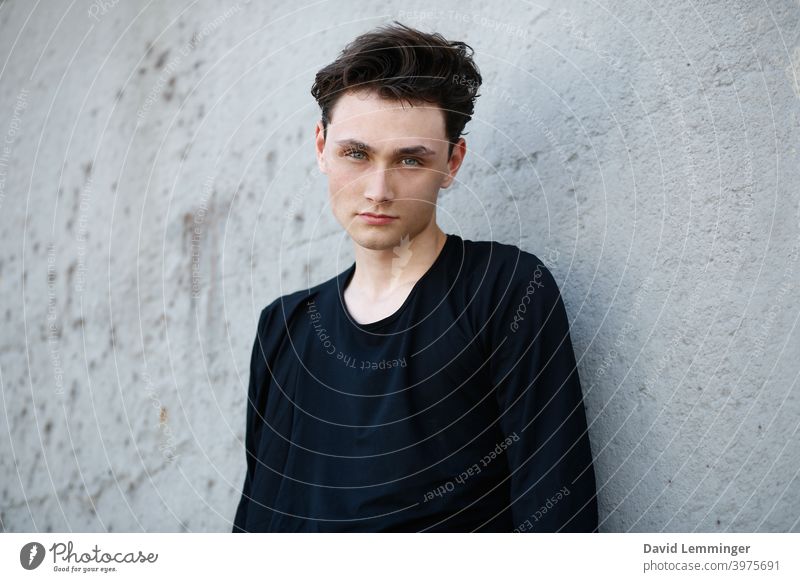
column 256, row 404
column 542, row 416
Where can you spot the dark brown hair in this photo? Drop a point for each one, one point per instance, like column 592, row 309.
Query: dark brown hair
column 405, row 64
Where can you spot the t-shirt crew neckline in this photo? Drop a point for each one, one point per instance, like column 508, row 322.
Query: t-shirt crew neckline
column 345, row 277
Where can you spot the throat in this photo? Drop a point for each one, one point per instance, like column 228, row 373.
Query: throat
column 365, row 310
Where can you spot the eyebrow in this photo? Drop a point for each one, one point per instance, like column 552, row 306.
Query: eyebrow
column 417, row 150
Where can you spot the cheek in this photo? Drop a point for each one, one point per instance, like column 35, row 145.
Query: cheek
column 341, row 183
column 422, row 184
column 344, row 175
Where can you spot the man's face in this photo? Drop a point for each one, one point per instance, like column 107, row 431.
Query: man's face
column 385, row 157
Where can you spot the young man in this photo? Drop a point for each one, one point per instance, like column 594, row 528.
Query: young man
column 432, row 385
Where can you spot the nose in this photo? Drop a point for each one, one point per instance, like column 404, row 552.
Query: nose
column 377, row 188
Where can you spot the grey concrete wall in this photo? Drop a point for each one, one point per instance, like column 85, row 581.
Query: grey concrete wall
column 158, row 188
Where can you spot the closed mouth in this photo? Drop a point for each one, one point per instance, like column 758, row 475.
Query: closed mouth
column 377, row 215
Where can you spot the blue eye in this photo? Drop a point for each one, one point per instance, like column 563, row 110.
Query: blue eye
column 416, row 162
column 354, row 154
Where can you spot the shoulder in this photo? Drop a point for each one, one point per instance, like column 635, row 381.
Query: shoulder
column 500, row 268
column 285, row 308
column 512, row 289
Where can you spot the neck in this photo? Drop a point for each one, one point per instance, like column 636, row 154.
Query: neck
column 380, row 272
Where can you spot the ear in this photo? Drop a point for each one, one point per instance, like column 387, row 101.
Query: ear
column 454, row 163
column 319, row 141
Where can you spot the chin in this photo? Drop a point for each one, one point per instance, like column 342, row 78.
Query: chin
column 376, row 238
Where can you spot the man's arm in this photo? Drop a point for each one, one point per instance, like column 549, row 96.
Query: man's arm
column 256, row 404
column 540, row 401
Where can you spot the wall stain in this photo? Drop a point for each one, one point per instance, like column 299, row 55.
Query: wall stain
column 162, row 59
column 169, row 92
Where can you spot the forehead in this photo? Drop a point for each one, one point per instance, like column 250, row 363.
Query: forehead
column 366, row 116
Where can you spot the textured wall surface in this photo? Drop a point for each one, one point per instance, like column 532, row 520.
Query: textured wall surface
column 158, row 188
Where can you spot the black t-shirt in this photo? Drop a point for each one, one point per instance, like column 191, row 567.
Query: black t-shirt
column 462, row 411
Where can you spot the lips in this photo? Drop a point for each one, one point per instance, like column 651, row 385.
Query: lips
column 376, row 219
column 372, row 214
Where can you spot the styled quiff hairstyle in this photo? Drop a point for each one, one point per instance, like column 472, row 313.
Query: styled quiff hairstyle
column 405, row 64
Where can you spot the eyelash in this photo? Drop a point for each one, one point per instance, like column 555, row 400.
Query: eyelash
column 350, row 153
